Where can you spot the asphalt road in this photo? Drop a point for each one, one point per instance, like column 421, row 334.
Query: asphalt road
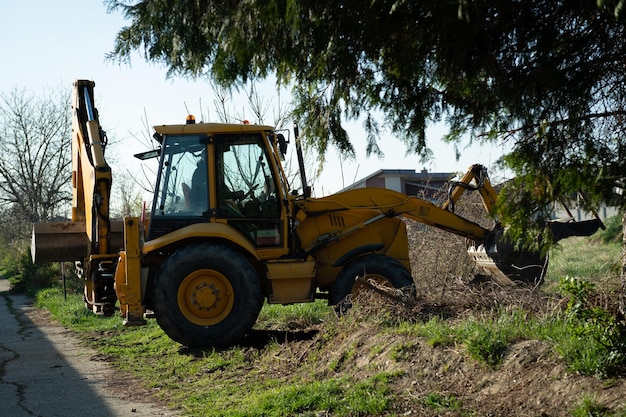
column 46, row 372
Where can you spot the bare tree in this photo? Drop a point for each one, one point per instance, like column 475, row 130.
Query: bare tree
column 262, row 109
column 132, row 185
column 35, row 160
column 127, row 197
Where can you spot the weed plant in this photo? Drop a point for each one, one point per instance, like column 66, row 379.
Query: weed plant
column 24, row 276
column 587, row 407
column 441, row 402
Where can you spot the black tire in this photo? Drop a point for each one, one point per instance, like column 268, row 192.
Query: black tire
column 206, row 295
column 382, row 266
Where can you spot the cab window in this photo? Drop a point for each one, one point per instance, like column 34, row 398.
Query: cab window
column 183, row 188
column 246, row 189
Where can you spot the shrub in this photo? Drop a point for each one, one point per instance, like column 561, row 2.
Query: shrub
column 25, row 276
column 597, row 345
column 613, row 231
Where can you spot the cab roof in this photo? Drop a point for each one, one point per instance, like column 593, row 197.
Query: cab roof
column 209, row 128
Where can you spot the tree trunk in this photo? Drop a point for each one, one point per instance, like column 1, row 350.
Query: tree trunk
column 622, row 298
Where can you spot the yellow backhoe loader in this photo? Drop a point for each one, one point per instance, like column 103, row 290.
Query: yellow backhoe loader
column 225, row 232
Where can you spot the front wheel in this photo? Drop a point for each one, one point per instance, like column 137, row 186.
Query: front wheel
column 386, row 270
column 206, row 295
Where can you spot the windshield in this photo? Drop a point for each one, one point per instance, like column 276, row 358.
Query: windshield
column 182, row 188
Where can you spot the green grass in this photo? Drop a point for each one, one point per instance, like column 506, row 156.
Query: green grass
column 232, row 382
column 583, row 257
column 71, row 312
column 274, row 316
column 339, row 396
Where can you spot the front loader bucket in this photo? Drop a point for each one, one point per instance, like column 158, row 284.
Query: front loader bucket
column 67, row 241
column 498, row 259
column 562, row 229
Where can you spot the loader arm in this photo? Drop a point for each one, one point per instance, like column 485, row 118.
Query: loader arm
column 491, row 253
column 391, row 204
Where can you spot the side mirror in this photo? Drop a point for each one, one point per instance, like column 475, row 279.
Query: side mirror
column 282, row 144
column 148, row 154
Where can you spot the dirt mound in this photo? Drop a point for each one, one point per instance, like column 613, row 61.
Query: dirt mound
column 444, row 380
column 530, row 381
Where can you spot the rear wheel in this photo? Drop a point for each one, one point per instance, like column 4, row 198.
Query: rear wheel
column 385, row 270
column 206, row 295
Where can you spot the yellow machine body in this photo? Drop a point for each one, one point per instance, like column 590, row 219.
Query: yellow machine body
column 226, row 232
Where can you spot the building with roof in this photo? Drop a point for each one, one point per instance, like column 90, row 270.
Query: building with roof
column 426, row 185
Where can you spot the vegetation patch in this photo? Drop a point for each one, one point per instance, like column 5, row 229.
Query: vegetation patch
column 587, row 407
column 441, row 402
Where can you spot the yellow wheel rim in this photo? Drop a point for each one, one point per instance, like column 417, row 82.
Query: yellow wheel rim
column 205, row 297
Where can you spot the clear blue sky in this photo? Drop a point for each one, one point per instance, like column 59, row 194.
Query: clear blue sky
column 50, row 43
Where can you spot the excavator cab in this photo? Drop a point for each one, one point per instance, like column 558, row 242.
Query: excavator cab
column 230, row 178
column 247, row 194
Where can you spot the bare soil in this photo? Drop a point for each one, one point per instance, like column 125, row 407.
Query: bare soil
column 531, row 380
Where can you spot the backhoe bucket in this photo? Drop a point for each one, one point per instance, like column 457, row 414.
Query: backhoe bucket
column 67, row 241
column 57, row 242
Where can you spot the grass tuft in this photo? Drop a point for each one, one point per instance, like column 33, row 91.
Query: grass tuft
column 441, row 402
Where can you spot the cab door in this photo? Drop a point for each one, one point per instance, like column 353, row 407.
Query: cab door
column 247, row 193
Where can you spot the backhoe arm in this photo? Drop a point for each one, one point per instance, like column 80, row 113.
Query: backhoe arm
column 89, row 238
column 91, row 176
